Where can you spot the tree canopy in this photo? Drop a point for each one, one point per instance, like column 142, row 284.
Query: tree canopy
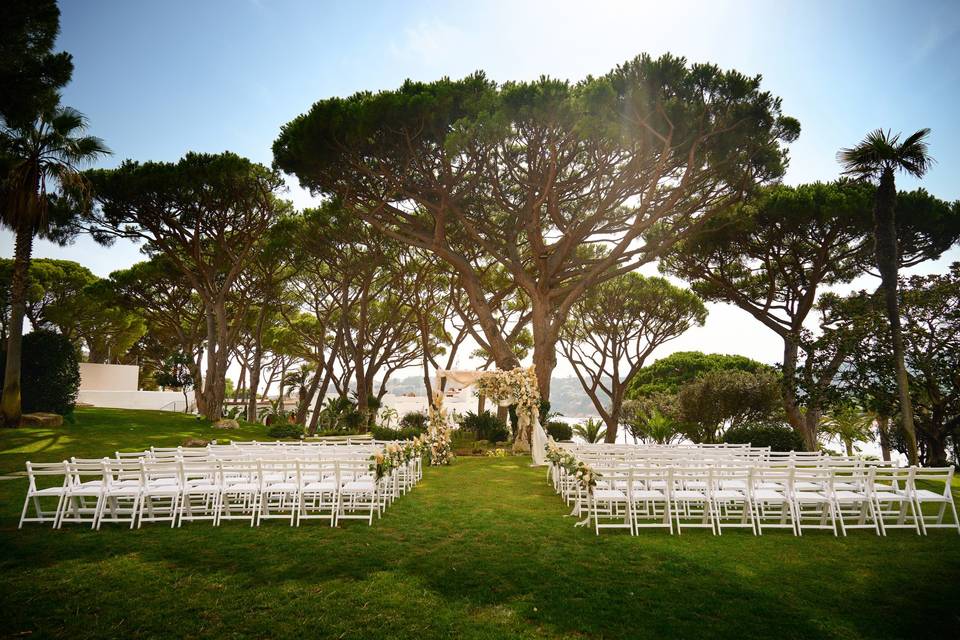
column 562, row 184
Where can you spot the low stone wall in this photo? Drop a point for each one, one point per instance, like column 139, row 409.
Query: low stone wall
column 162, row 400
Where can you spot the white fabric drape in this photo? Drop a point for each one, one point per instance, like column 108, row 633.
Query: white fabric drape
column 538, row 444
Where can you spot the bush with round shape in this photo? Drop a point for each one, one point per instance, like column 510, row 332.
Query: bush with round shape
column 485, row 426
column 779, row 437
column 285, row 430
column 386, row 433
column 49, row 373
column 559, row 430
column 415, row 420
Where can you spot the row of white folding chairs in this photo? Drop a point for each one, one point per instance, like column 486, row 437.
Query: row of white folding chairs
column 234, row 452
column 568, row 486
column 97, row 491
column 782, row 496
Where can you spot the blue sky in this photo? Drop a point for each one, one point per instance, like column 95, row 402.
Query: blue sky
column 158, row 79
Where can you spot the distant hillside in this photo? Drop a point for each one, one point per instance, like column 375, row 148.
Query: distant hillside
column 566, row 395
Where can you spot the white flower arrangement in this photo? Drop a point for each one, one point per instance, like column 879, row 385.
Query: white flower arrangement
column 438, row 439
column 513, row 387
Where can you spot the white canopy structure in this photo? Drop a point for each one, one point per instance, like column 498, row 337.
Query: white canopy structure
column 538, row 436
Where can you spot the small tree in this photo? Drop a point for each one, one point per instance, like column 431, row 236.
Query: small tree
column 849, row 424
column 615, row 327
column 591, row 431
column 650, row 424
column 176, row 374
column 721, row 399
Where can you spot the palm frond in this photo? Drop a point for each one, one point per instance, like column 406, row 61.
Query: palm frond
column 914, row 154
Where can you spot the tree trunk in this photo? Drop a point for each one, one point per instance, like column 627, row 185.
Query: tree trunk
column 304, row 402
column 937, row 449
column 256, row 366
column 883, row 430
column 545, row 339
column 198, row 382
column 885, row 248
column 798, row 418
column 11, row 407
column 314, row 419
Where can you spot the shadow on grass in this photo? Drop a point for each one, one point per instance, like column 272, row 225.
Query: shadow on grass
column 482, row 549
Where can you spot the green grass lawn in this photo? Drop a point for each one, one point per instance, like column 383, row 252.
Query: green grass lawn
column 479, row 550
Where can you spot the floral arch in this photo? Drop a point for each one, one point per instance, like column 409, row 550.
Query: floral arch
column 514, row 387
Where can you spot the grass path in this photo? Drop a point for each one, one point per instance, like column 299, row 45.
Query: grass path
column 479, row 550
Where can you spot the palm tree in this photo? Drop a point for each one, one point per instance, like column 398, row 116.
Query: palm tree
column 658, row 428
column 878, row 157
column 37, row 158
column 592, row 431
column 850, row 425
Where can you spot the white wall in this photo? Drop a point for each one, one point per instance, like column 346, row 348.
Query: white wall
column 166, row 400
column 108, row 377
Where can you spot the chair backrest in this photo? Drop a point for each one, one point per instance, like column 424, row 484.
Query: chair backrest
column 935, row 476
column 773, row 475
column 46, row 470
column 282, row 469
column 895, row 478
column 353, row 469
column 166, row 470
column 821, row 479
column 122, row 471
column 240, row 471
column 691, row 477
column 132, row 455
column 194, row 471
column 80, row 471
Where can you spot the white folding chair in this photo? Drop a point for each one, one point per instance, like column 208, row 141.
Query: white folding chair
column 731, row 489
column 85, row 482
column 935, row 477
column 773, row 504
column 279, row 490
column 122, row 492
column 239, row 492
column 53, row 484
column 161, row 492
column 609, row 502
column 201, row 483
column 854, row 499
column 691, row 503
column 319, row 490
column 358, row 492
column 814, row 500
column 893, row 501
column 650, row 498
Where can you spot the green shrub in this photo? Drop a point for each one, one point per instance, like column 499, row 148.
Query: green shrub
column 49, row 373
column 559, row 430
column 285, row 430
column 335, row 432
column 778, row 437
column 415, row 420
column 485, row 426
column 386, row 433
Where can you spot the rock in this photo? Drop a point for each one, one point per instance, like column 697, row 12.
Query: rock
column 41, row 420
column 226, row 423
column 194, row 442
